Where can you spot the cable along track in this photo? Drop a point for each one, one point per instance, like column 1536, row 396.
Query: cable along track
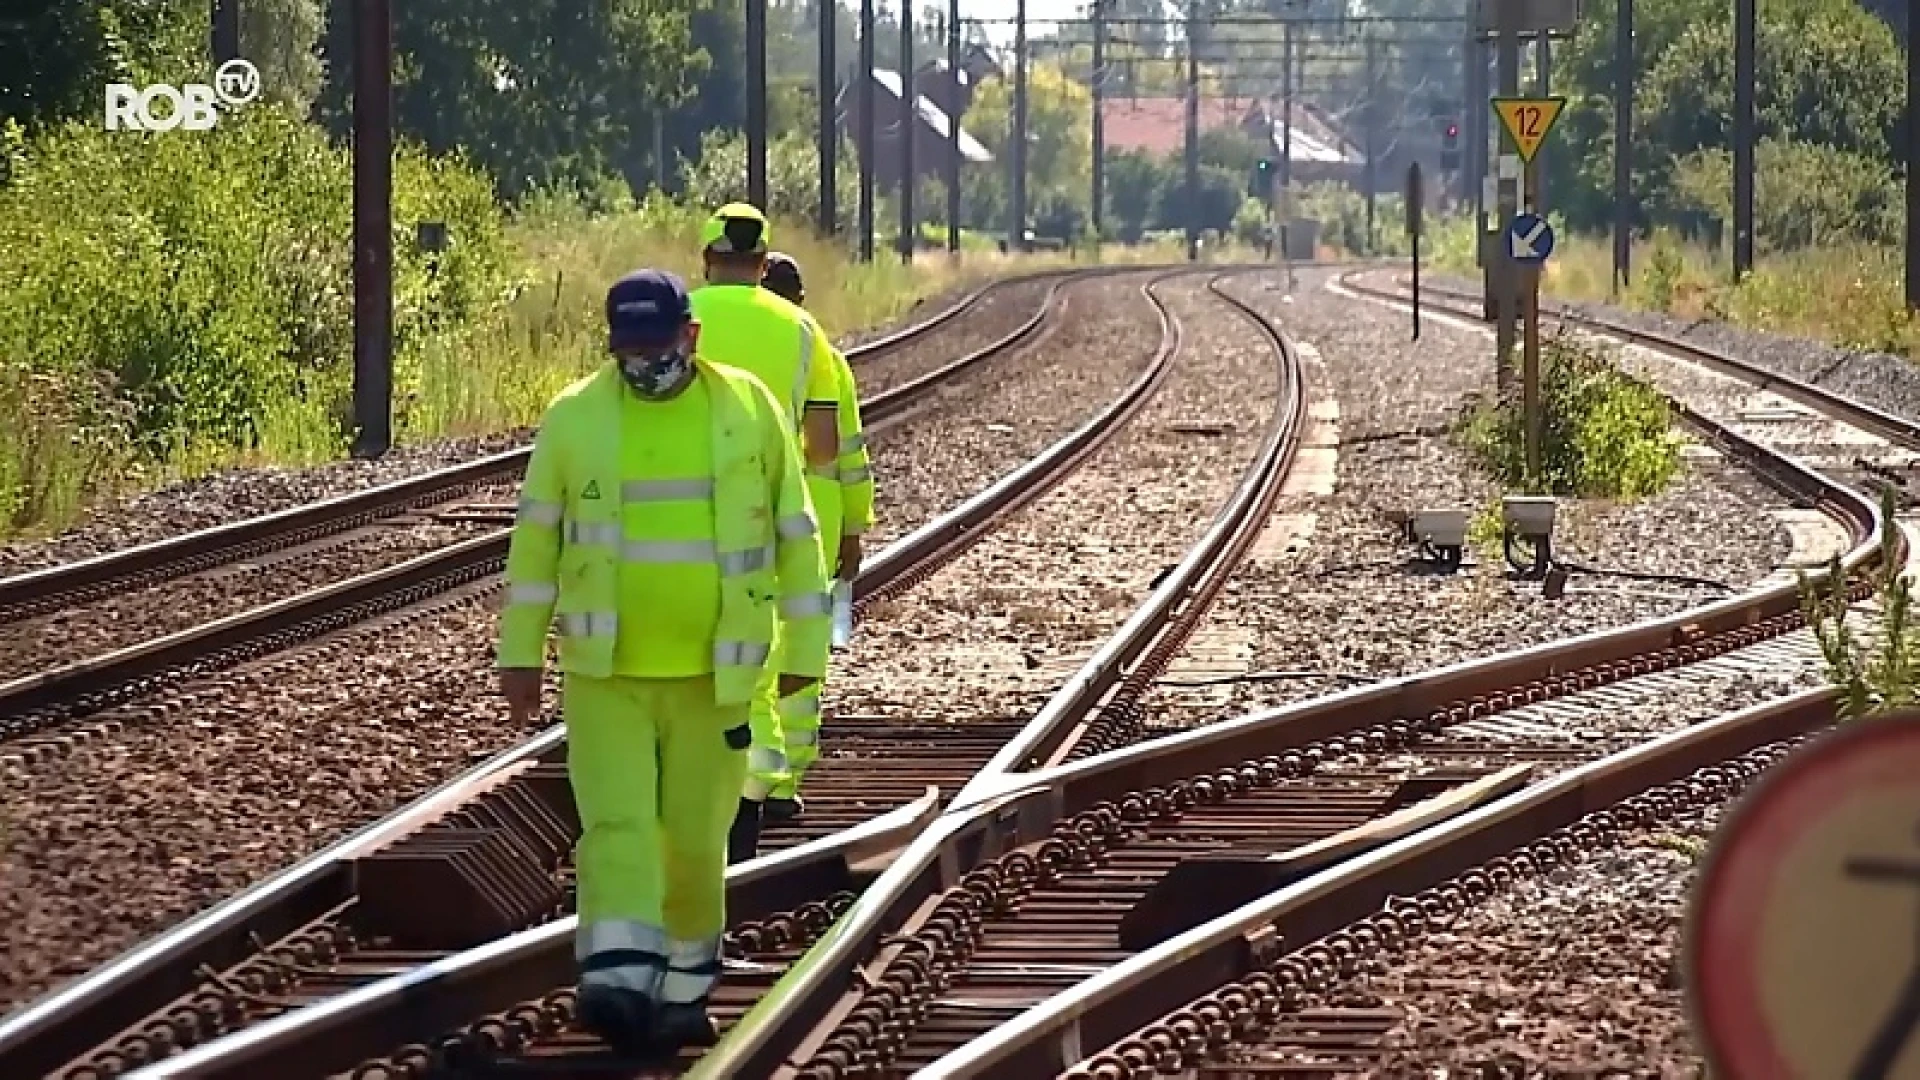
column 501, row 836
column 137, row 663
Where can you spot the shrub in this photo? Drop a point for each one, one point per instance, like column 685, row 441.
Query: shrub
column 1872, row 677
column 1603, row 433
column 1804, row 194
column 189, row 296
column 1250, row 224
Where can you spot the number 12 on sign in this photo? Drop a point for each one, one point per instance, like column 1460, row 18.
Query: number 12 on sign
column 1528, row 121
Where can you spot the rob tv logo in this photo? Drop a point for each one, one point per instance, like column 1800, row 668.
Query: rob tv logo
column 195, row 106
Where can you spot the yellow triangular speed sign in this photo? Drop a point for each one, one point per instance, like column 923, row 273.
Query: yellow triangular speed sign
column 1528, row 120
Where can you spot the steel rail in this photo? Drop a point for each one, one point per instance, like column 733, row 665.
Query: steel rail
column 39, row 591
column 38, row 701
column 1060, row 1026
column 549, row 951
column 889, row 404
column 1170, row 1005
column 992, row 822
column 1209, row 563
column 68, row 1022
column 1088, row 791
column 979, row 825
column 1859, row 413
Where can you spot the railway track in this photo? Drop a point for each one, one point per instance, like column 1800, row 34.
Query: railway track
column 83, row 637
column 1235, row 984
column 812, row 883
column 1033, row 855
column 1877, row 451
column 499, row 838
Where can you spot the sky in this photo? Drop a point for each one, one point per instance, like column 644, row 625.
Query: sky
column 1037, row 11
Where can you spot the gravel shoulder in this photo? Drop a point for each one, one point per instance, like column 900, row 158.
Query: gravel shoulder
column 995, row 632
column 1573, row 973
column 211, row 786
column 1329, row 597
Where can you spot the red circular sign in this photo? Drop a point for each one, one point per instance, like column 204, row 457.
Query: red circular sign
column 1802, row 946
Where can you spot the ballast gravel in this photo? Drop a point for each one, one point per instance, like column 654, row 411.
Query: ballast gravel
column 1573, row 973
column 124, row 619
column 998, row 312
column 1335, row 595
column 993, row 634
column 984, row 424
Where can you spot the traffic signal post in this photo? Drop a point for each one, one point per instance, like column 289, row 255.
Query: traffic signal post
column 1528, row 242
column 1520, row 231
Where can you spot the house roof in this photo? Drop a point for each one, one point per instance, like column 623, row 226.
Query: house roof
column 933, row 116
column 1159, row 125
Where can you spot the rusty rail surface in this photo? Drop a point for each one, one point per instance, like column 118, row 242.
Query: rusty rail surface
column 1017, row 827
column 42, row 700
column 1168, row 978
column 497, row 978
column 40, row 591
column 160, row 996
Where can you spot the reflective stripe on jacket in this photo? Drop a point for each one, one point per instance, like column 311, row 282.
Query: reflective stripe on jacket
column 567, row 542
column 854, row 469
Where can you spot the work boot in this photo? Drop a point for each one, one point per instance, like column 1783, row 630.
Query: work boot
column 785, row 808
column 623, row 1019
column 743, row 840
column 677, row 1026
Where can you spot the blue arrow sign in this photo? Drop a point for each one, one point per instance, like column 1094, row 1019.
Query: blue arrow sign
column 1529, row 239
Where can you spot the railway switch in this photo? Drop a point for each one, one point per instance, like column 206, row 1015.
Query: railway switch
column 1528, row 520
column 1442, row 535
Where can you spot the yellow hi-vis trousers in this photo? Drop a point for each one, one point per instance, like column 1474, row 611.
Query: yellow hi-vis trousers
column 791, row 726
column 656, row 768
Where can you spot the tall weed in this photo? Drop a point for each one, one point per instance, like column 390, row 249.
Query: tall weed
column 1604, row 433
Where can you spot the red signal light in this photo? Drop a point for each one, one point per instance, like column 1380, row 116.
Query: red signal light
column 1452, row 130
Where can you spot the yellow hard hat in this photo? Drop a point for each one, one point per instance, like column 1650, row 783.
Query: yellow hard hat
column 736, row 229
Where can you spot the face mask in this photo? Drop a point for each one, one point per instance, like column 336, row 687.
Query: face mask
column 659, row 376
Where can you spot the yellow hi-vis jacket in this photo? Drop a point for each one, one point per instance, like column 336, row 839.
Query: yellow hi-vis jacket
column 854, row 470
column 775, row 341
column 568, row 538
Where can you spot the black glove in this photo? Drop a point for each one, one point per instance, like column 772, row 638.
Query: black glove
column 743, row 840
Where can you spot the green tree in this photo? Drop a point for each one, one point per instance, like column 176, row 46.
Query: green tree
column 1218, row 199
column 1134, row 181
column 537, row 91
column 282, row 39
column 1232, row 149
column 1059, row 133
column 1803, row 193
column 56, row 56
column 1822, row 66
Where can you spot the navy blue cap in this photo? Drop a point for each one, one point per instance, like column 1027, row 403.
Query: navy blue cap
column 647, row 308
